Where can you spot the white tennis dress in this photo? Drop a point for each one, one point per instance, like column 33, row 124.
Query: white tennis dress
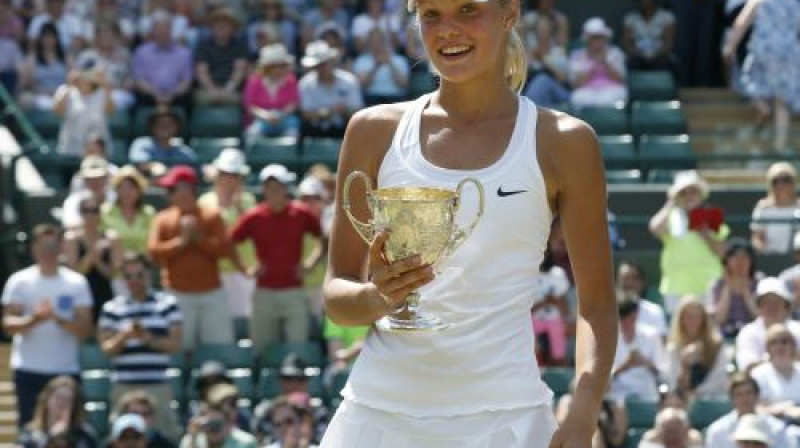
column 475, row 384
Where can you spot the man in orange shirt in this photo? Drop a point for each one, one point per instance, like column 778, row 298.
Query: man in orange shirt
column 187, row 241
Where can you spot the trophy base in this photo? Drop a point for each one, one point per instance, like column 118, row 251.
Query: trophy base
column 416, row 323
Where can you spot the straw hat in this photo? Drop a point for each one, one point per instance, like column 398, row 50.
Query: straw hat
column 596, row 26
column 129, row 172
column 685, row 179
column 274, row 54
column 318, row 52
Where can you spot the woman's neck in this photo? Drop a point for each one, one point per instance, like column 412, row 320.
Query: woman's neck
column 91, row 232
column 476, row 101
column 225, row 197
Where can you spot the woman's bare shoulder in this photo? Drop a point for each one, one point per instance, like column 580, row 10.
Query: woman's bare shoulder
column 369, row 134
column 565, row 143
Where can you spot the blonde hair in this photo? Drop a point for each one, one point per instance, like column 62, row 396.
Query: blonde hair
column 516, row 62
column 709, row 335
column 777, row 331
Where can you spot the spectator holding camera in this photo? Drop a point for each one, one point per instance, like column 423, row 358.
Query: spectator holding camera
column 47, row 308
column 690, row 256
column 83, row 103
column 210, row 428
column 139, row 331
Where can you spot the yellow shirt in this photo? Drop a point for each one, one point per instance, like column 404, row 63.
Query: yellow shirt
column 230, row 215
column 133, row 235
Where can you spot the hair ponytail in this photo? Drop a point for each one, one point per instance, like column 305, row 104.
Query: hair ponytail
column 516, row 61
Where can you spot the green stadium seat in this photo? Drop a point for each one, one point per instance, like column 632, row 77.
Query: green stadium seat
column 634, row 437
column 269, row 384
column 337, row 382
column 619, row 151
column 321, row 150
column 658, row 118
column 651, row 86
column 703, row 412
column 661, row 176
column 208, row 148
column 96, row 414
column 666, row 151
column 316, row 387
column 241, row 328
column 641, row 414
column 175, row 380
column 118, row 152
column 243, row 380
column 46, row 122
column 420, row 83
column 623, row 176
column 216, row 121
column 263, row 151
column 558, row 379
column 119, row 124
column 232, row 356
column 92, row 358
column 309, row 352
column 96, row 386
column 605, row 120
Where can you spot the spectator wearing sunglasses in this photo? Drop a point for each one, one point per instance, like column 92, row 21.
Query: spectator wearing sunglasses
column 144, row 405
column 129, row 431
column 772, row 227
column 779, row 378
column 139, row 331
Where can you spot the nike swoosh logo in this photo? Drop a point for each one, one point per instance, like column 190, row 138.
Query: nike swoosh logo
column 503, row 194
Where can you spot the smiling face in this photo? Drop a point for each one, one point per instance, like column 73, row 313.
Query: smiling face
column 466, row 40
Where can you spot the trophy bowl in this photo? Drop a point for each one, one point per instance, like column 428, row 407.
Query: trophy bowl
column 421, row 221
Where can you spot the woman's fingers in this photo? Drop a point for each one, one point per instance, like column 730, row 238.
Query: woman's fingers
column 376, row 250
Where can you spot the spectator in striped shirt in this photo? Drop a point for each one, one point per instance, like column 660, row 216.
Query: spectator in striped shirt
column 138, row 332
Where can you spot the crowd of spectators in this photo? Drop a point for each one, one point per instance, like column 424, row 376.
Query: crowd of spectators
column 147, row 284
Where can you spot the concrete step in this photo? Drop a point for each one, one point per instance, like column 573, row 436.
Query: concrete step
column 8, row 402
column 704, row 95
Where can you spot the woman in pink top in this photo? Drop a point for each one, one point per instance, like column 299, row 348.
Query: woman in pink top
column 271, row 96
column 597, row 72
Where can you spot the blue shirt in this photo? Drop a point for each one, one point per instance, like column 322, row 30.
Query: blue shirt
column 146, row 149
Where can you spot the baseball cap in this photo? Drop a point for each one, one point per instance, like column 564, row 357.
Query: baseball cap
column 128, row 421
column 773, row 285
column 93, row 167
column 178, row 174
column 277, row 172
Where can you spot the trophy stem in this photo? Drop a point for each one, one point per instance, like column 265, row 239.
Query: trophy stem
column 411, row 318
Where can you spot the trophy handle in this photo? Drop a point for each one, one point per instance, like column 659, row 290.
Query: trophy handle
column 459, row 235
column 365, row 230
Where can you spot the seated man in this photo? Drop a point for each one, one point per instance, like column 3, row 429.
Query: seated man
column 672, row 430
column 639, row 361
column 163, row 145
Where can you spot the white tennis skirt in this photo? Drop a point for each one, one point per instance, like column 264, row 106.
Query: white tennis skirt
column 358, row 426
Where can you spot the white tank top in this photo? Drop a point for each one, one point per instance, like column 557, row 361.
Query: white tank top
column 485, row 359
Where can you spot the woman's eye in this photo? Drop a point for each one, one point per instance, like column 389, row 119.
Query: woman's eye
column 429, row 14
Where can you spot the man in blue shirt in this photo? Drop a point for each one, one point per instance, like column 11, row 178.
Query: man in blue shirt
column 163, row 145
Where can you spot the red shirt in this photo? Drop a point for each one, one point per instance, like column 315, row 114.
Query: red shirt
column 278, row 239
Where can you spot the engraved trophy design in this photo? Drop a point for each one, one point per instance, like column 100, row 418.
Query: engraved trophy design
column 421, row 221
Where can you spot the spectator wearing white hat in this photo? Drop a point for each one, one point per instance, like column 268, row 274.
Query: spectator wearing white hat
column 690, row 257
column 277, row 228
column 744, row 395
column 271, row 97
column 774, row 302
column 752, row 432
column 597, row 72
column 229, row 196
column 129, row 431
column 779, row 377
column 328, row 95
column 780, row 204
column 94, row 171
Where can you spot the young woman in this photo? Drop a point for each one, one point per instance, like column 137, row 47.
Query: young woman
column 697, row 358
column 731, row 299
column 474, row 384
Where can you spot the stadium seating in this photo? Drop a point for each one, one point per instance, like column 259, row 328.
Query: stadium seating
column 558, row 379
column 232, row 356
column 321, row 150
column 208, row 148
column 633, row 176
column 309, row 352
column 46, row 122
column 641, row 414
column 651, row 86
column 606, row 120
column 657, row 117
column 96, row 385
column 666, row 152
column 263, row 151
column 217, row 121
column 337, row 382
column 93, row 358
column 97, row 413
column 619, row 151
column 702, row 412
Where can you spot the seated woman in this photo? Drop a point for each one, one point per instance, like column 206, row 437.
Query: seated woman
column 731, row 300
column 59, row 414
column 697, row 358
column 672, row 430
column 44, row 70
column 649, row 37
column 271, row 95
column 597, row 72
column 547, row 66
column 780, row 203
column 382, row 73
column 779, row 378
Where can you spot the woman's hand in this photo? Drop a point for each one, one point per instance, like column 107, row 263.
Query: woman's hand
column 395, row 281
